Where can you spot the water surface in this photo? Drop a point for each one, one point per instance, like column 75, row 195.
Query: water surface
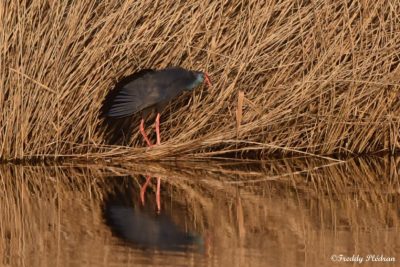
column 292, row 212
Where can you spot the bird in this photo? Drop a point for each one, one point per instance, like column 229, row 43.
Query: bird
column 151, row 90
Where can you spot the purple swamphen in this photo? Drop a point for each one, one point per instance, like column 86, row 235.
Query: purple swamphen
column 151, row 90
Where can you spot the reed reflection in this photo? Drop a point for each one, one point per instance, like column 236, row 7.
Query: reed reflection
column 287, row 212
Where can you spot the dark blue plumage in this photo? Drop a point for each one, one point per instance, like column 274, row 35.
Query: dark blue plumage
column 153, row 90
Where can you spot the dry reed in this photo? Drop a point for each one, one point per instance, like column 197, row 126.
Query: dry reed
column 318, row 77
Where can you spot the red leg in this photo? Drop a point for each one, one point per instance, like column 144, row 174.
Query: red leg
column 144, row 133
column 158, row 201
column 143, row 189
column 158, row 129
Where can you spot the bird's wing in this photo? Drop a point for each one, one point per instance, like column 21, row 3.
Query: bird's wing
column 134, row 97
column 146, row 91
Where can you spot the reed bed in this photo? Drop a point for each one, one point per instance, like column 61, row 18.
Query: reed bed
column 314, row 77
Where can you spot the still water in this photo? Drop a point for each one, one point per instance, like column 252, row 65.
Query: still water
column 288, row 212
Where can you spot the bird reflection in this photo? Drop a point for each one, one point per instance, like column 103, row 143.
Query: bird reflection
column 141, row 227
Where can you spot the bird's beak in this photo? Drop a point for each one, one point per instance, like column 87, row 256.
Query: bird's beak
column 207, row 79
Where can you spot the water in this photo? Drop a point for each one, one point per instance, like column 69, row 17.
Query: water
column 293, row 212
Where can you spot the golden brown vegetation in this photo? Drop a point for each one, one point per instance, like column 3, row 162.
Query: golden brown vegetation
column 300, row 206
column 319, row 77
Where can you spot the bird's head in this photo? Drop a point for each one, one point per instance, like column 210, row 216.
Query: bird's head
column 201, row 77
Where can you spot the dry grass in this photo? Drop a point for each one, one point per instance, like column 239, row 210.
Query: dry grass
column 320, row 77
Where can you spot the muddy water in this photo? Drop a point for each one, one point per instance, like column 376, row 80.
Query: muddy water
column 294, row 212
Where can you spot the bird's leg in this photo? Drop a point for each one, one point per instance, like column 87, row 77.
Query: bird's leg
column 141, row 128
column 158, row 200
column 158, row 129
column 143, row 189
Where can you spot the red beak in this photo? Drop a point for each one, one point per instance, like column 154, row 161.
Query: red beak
column 207, row 79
